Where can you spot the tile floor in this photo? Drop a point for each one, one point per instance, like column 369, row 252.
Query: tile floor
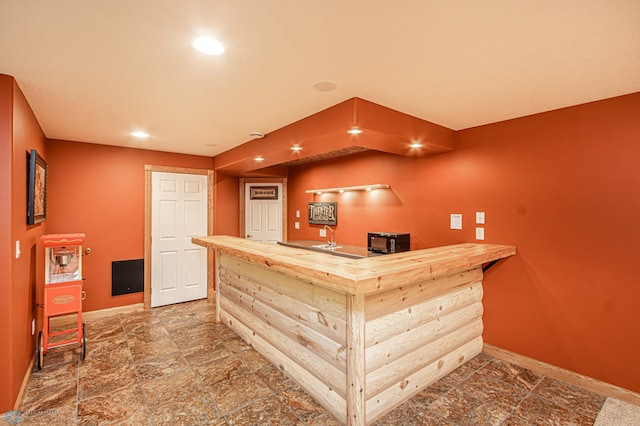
column 174, row 365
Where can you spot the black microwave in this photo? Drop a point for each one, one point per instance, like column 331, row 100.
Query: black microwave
column 385, row 242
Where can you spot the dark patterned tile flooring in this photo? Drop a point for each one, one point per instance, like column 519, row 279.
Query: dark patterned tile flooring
column 175, row 366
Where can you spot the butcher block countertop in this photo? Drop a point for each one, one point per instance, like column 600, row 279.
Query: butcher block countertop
column 360, row 276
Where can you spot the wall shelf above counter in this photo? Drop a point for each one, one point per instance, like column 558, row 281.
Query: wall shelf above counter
column 349, row 188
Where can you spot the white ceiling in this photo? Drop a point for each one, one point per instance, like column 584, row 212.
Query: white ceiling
column 95, row 70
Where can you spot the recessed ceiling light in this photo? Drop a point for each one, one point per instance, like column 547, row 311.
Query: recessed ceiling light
column 208, row 46
column 415, row 145
column 296, row 148
column 259, row 158
column 324, row 86
column 140, row 134
column 354, row 131
column 258, row 135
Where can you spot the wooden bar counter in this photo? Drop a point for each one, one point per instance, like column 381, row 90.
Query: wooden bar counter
column 359, row 335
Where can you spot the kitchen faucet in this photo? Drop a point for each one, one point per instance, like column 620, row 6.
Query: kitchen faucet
column 331, row 243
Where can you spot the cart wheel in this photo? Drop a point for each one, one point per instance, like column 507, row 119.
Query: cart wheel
column 40, row 351
column 84, row 342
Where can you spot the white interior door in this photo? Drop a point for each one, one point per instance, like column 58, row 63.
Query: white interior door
column 178, row 212
column 263, row 215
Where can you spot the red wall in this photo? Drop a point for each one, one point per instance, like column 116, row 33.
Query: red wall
column 19, row 133
column 7, row 395
column 566, row 190
column 562, row 186
column 227, row 205
column 99, row 190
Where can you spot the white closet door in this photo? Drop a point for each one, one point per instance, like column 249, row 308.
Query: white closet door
column 179, row 212
column 263, row 218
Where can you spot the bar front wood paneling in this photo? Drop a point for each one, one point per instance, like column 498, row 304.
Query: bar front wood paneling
column 361, row 336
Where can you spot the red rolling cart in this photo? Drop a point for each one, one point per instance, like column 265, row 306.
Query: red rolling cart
column 63, row 292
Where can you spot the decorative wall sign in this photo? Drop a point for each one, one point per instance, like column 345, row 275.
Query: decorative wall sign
column 263, row 192
column 322, row 213
column 37, row 189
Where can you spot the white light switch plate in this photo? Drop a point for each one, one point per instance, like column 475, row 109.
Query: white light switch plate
column 323, row 232
column 480, row 218
column 479, row 233
column 17, row 249
column 297, row 213
column 456, row 221
column 296, row 225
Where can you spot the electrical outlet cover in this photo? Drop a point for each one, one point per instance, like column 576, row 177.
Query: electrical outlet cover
column 456, row 221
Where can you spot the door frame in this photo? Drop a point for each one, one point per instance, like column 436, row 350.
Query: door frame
column 148, row 169
column 242, row 182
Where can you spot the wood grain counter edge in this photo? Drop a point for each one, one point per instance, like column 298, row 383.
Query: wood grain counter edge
column 359, row 276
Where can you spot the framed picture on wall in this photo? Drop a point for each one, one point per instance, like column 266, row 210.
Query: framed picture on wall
column 263, row 193
column 323, row 213
column 37, row 189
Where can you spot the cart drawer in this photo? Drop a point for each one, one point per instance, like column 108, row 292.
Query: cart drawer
column 62, row 298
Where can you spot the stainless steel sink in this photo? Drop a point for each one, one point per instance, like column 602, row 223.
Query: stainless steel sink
column 326, row 246
column 348, row 251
